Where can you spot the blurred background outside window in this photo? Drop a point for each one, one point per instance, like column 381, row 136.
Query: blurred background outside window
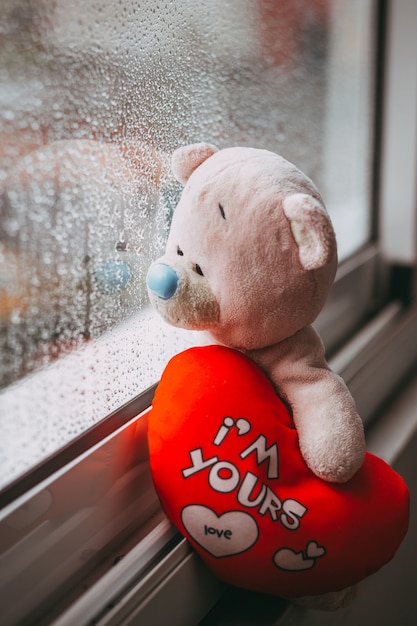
column 94, row 97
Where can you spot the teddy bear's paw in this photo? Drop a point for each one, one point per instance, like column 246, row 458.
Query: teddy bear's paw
column 331, row 601
column 335, row 474
column 332, row 462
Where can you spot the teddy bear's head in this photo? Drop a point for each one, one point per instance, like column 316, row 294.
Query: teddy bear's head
column 251, row 253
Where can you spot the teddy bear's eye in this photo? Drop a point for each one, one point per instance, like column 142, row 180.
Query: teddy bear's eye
column 199, row 270
column 179, row 251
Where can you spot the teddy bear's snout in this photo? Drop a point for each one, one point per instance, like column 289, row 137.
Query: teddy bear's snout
column 162, row 280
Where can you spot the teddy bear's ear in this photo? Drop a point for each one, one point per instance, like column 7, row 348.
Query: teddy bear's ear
column 186, row 159
column 312, row 230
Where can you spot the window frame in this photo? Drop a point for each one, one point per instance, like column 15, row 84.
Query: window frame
column 30, row 392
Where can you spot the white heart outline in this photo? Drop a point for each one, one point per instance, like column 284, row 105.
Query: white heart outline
column 193, row 516
column 291, row 561
column 315, row 550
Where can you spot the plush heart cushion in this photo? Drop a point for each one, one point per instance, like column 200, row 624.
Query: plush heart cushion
column 227, row 467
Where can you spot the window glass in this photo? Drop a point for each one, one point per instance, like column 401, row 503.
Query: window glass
column 94, row 98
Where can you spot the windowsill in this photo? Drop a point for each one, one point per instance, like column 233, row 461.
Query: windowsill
column 78, row 489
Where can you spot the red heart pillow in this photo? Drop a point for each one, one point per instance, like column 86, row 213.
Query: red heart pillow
column 226, row 465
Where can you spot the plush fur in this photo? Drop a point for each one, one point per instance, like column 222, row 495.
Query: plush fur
column 250, row 258
column 255, row 255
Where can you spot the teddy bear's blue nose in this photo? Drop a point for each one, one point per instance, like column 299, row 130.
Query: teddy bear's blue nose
column 162, row 280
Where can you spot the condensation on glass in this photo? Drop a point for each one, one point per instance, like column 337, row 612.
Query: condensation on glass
column 94, row 97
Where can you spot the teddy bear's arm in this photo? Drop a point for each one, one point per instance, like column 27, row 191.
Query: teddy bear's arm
column 331, row 434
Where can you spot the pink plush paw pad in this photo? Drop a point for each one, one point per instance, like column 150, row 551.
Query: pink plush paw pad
column 227, row 468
